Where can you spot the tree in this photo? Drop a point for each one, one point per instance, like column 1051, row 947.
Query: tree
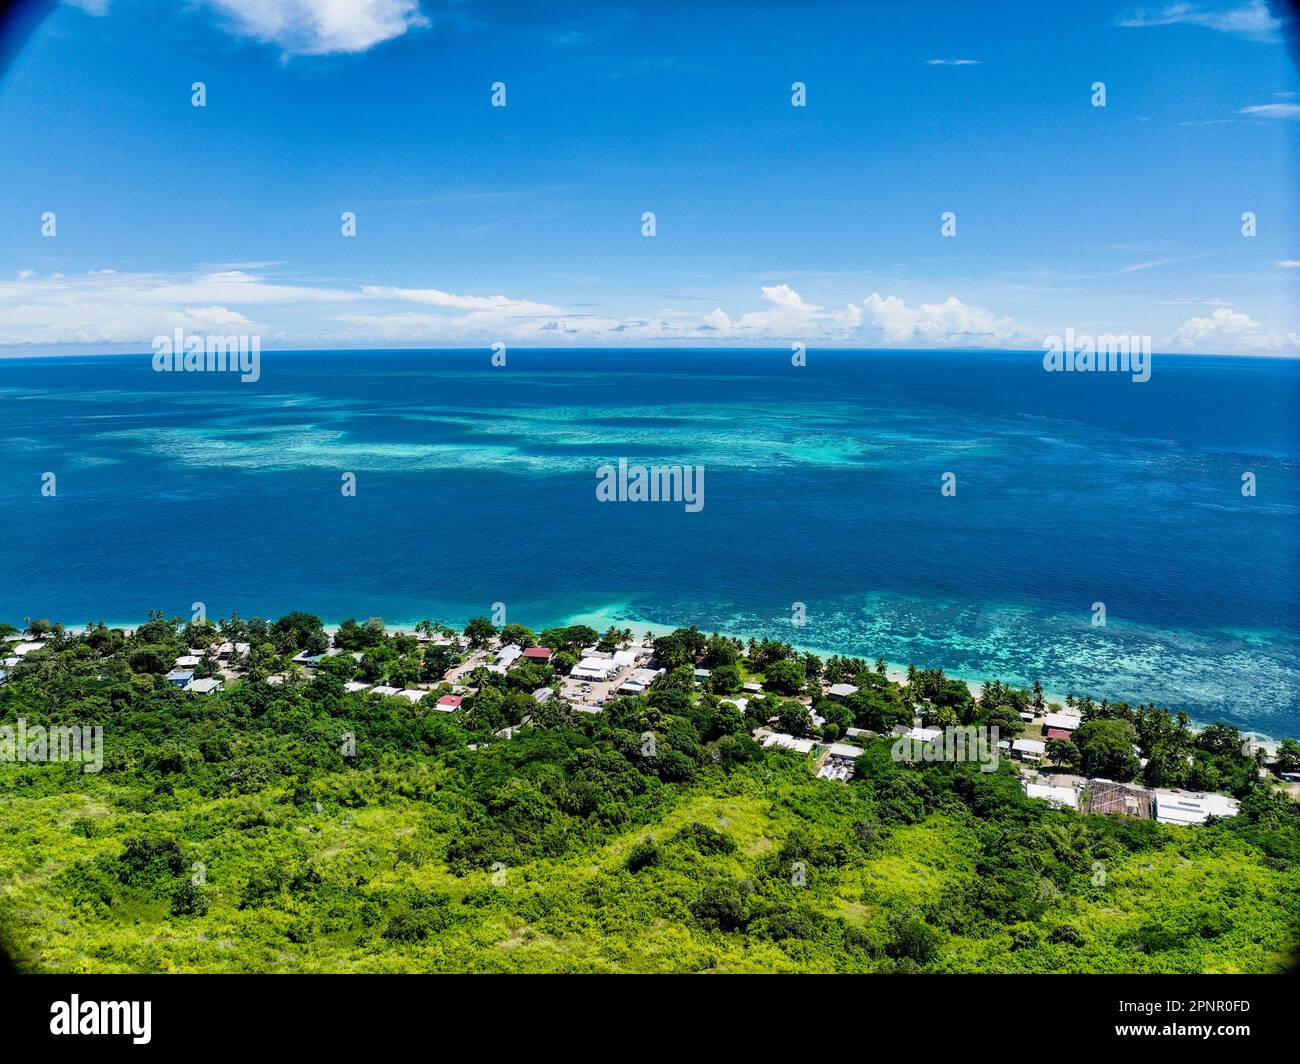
column 794, row 718
column 518, row 634
column 914, row 940
column 1288, row 756
column 785, row 677
column 725, row 680
column 721, row 906
column 1064, row 753
column 480, row 632
column 300, row 631
column 671, row 652
column 1106, row 749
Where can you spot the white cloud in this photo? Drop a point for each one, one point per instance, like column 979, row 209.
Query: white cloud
column 1252, row 19
column 438, row 298
column 953, row 62
column 1273, row 110
column 787, row 314
column 1290, row 264
column 1229, row 331
column 321, row 27
column 99, row 308
column 951, row 323
column 1145, row 266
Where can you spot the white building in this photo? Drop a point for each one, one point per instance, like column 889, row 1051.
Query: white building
column 1029, row 749
column 922, row 735
column 639, row 681
column 508, row 655
column 1183, row 807
column 411, row 695
column 204, row 686
column 385, row 691
column 1057, row 796
column 593, row 668
column 789, row 742
column 841, row 690
column 353, row 686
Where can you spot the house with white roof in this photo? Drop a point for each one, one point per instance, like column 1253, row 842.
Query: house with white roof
column 1029, row 749
column 638, row 681
column 204, row 686
column 412, row 695
column 1060, row 725
column 1057, row 796
column 789, row 742
column 387, row 692
column 508, row 655
column 1184, row 807
column 841, row 690
column 592, row 668
column 922, row 735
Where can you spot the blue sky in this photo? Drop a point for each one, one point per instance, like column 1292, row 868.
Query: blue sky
column 774, row 223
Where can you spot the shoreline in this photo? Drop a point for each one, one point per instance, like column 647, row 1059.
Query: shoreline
column 612, row 614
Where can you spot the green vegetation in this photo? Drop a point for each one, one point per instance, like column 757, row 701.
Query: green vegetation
column 245, row 831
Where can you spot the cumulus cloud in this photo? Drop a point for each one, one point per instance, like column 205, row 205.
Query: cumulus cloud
column 100, row 308
column 321, row 27
column 950, row 323
column 104, row 307
column 1230, row 331
column 785, row 315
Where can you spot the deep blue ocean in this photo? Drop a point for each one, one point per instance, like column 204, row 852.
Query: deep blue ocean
column 476, row 485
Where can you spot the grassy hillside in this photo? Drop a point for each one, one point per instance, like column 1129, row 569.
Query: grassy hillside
column 236, row 832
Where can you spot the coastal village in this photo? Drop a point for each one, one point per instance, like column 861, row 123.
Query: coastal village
column 627, row 667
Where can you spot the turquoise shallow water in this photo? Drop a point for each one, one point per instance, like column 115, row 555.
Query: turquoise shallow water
column 476, row 485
